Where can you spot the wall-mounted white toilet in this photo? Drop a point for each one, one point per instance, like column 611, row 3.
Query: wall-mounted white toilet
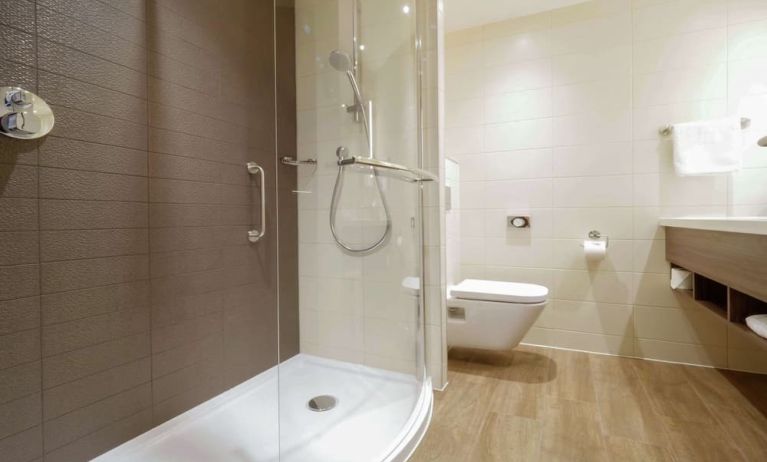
column 492, row 315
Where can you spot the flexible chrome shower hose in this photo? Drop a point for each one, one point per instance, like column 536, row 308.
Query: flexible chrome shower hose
column 338, row 187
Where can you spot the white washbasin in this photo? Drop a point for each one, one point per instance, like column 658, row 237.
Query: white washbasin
column 746, row 225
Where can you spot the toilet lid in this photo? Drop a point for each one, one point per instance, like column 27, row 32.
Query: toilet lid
column 498, row 291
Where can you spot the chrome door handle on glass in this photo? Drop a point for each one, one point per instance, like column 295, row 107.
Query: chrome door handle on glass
column 24, row 115
column 254, row 235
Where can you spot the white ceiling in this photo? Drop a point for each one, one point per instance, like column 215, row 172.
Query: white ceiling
column 460, row 14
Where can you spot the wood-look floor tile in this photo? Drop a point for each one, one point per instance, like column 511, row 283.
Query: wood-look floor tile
column 571, row 432
column 625, row 411
column 671, row 393
column 544, row 405
column 746, row 432
column 571, row 376
column 628, row 450
column 507, row 438
column 701, row 442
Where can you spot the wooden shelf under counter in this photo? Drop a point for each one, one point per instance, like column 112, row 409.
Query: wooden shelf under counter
column 729, row 271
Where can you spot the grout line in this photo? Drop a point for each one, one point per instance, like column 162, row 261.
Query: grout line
column 36, row 38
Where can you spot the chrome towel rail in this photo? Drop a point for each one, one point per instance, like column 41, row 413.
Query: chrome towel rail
column 417, row 175
column 669, row 129
column 254, row 235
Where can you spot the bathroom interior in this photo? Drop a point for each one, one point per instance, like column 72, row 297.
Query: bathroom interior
column 383, row 230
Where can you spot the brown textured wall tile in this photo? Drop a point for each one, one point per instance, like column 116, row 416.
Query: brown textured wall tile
column 18, row 180
column 94, row 157
column 70, row 245
column 187, row 99
column 170, row 308
column 78, row 304
column 19, row 75
column 18, row 13
column 209, row 370
column 81, row 422
column 100, row 214
column 169, row 239
column 186, row 332
column 24, row 50
column 18, row 214
column 19, row 314
column 183, row 215
column 164, row 67
column 24, row 446
column 74, row 395
column 19, row 281
column 19, row 381
column 62, row 91
column 199, row 392
column 73, row 365
column 68, row 31
column 20, row 414
column 134, row 8
column 71, row 123
column 170, row 263
column 81, row 274
column 207, row 349
column 18, row 247
column 232, row 215
column 56, row 58
column 174, row 119
column 19, row 348
column 73, row 214
column 104, row 439
column 104, row 16
column 82, row 333
column 18, row 152
column 186, row 145
column 184, row 192
column 183, row 168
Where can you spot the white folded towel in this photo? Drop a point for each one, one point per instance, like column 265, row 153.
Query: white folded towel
column 709, row 147
column 758, row 324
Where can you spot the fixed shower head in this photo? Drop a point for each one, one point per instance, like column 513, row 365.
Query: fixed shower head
column 340, row 61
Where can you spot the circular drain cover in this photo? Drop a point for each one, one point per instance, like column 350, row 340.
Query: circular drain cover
column 322, row 403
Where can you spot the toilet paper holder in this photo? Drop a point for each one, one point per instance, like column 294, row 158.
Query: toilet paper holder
column 596, row 235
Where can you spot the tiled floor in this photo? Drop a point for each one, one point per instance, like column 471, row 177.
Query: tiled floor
column 552, row 405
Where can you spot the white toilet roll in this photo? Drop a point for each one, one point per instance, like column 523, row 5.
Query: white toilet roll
column 595, row 250
column 681, row 279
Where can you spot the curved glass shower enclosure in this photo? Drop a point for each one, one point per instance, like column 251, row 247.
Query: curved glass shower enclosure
column 360, row 237
column 216, row 253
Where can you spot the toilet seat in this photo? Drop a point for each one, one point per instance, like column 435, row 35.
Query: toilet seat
column 498, row 291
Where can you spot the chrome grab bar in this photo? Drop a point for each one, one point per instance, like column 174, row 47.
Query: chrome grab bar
column 254, row 235
column 418, row 174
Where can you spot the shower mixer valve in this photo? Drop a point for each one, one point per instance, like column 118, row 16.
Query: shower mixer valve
column 24, row 115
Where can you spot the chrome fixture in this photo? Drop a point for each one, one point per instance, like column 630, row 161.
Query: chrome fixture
column 24, row 115
column 254, row 235
column 342, row 62
column 669, row 129
column 518, row 222
column 415, row 174
column 597, row 236
column 296, row 162
column 322, row 403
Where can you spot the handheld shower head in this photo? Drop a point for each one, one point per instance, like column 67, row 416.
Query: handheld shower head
column 340, row 61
